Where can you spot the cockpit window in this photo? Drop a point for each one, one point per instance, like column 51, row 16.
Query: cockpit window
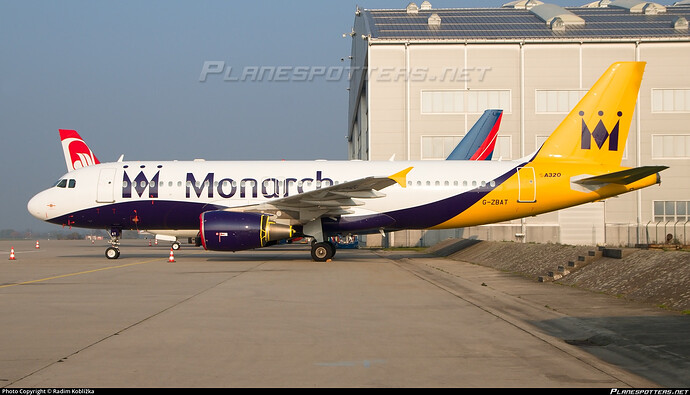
column 65, row 183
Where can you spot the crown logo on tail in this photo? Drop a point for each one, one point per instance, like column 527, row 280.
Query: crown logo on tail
column 600, row 134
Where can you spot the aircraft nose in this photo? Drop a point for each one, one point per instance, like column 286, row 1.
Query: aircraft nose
column 37, row 206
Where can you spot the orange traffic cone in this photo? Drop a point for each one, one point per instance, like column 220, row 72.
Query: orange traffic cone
column 149, row 243
column 12, row 254
column 37, row 244
column 172, row 258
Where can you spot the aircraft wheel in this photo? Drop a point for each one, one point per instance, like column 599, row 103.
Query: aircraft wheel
column 176, row 246
column 112, row 253
column 321, row 252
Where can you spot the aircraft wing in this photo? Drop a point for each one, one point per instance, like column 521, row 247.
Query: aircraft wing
column 623, row 177
column 331, row 201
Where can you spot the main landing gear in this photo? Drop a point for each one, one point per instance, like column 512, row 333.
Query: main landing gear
column 113, row 252
column 322, row 251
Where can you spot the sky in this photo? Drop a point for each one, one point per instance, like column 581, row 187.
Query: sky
column 126, row 75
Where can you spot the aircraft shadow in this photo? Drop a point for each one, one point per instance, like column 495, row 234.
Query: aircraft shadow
column 654, row 347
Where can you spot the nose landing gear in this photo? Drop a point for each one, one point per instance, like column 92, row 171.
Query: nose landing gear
column 113, row 252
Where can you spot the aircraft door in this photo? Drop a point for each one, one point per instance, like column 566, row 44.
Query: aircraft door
column 527, row 192
column 106, row 186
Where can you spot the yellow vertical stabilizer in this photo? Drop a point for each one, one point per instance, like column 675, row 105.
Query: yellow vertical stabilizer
column 597, row 128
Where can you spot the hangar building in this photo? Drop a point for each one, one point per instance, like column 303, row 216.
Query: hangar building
column 420, row 77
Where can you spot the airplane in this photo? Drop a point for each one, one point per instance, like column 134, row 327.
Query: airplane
column 479, row 142
column 242, row 205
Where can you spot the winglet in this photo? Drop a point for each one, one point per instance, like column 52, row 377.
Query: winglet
column 401, row 177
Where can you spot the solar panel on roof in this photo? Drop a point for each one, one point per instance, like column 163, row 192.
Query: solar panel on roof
column 508, row 23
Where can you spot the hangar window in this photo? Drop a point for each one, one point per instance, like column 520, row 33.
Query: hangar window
column 502, row 149
column 670, row 146
column 480, row 100
column 457, row 101
column 438, row 147
column 674, row 211
column 557, row 101
column 670, row 100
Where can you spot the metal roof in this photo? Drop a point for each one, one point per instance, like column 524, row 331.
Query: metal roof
column 511, row 24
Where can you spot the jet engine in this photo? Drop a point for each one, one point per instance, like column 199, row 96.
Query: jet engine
column 236, row 231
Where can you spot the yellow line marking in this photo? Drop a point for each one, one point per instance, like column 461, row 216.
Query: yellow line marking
column 78, row 273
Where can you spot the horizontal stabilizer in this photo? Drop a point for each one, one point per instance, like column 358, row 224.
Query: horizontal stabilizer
column 622, row 177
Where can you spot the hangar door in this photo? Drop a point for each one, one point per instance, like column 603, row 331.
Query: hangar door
column 582, row 225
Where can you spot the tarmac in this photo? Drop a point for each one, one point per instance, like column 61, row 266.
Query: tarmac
column 272, row 318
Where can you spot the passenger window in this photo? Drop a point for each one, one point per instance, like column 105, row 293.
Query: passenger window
column 72, row 183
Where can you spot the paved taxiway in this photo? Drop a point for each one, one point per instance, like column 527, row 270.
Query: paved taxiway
column 273, row 318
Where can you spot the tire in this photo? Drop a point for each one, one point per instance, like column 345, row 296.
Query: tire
column 321, row 252
column 112, row 253
column 176, row 246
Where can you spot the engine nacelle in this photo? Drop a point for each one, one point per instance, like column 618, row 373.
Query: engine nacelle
column 235, row 231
